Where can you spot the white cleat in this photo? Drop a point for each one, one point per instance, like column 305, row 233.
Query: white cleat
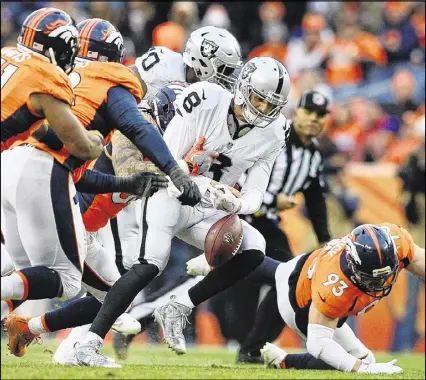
column 273, row 356
column 88, row 355
column 172, row 317
column 126, row 324
column 66, row 354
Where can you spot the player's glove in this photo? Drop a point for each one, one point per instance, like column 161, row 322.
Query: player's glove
column 143, row 184
column 198, row 266
column 190, row 193
column 198, row 160
column 389, row 367
column 224, row 199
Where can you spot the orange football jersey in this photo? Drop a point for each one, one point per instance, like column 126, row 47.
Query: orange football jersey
column 325, row 279
column 23, row 74
column 91, row 81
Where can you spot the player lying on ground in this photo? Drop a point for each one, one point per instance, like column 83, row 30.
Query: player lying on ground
column 318, row 291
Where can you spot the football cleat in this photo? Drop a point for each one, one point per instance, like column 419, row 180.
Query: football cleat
column 20, row 335
column 88, row 355
column 126, row 324
column 172, row 318
column 273, row 356
column 248, row 358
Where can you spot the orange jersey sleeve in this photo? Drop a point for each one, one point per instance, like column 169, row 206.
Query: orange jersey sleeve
column 403, row 241
column 24, row 74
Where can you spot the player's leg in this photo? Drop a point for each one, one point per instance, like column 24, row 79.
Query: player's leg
column 172, row 316
column 160, row 214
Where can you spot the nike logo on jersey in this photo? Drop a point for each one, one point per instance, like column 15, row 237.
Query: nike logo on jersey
column 204, row 96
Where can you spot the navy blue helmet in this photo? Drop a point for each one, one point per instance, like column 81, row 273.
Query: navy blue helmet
column 373, row 260
column 161, row 105
column 100, row 41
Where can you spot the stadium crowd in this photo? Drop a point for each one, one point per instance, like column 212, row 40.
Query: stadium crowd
column 367, row 57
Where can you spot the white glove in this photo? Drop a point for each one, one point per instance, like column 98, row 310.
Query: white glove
column 198, row 266
column 379, row 367
column 224, row 199
column 272, row 355
column 126, row 324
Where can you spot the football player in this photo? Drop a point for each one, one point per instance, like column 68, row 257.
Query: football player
column 319, row 290
column 100, row 270
column 247, row 130
column 34, row 83
column 107, row 94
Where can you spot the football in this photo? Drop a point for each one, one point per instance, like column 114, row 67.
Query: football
column 223, row 240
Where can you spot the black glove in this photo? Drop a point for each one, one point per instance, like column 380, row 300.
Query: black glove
column 143, row 184
column 190, row 193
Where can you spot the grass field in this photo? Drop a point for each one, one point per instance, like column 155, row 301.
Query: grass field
column 157, row 362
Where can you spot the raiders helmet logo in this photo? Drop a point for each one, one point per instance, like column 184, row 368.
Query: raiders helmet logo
column 248, row 70
column 208, row 49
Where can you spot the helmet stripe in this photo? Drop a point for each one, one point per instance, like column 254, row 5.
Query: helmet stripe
column 376, row 242
column 30, row 29
column 85, row 35
column 280, row 79
column 44, row 14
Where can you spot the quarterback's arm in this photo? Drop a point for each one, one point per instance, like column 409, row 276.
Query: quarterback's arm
column 179, row 137
column 417, row 265
column 321, row 345
column 256, row 184
column 123, row 113
column 127, row 158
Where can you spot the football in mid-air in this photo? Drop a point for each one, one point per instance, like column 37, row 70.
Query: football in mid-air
column 223, row 240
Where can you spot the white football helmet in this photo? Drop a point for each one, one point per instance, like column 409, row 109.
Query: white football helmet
column 268, row 79
column 215, row 56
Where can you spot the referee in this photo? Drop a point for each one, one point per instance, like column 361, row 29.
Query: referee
column 298, row 168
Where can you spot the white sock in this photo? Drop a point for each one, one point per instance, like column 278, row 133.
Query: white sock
column 184, row 299
column 36, row 325
column 12, row 287
column 92, row 336
column 4, row 309
column 77, row 334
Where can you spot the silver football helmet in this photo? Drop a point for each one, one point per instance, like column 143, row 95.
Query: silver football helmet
column 262, row 79
column 215, row 56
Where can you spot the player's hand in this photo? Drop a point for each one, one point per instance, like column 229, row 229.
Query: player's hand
column 144, row 184
column 226, row 201
column 389, row 367
column 198, row 266
column 198, row 160
column 233, row 190
column 190, row 192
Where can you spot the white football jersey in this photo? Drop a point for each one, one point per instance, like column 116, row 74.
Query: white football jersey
column 203, row 109
column 157, row 67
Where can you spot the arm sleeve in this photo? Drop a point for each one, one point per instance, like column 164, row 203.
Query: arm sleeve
column 321, row 345
column 123, row 113
column 94, row 182
column 256, row 184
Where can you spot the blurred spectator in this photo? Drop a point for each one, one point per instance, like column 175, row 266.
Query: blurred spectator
column 185, row 13
column 352, row 53
column 104, row 10
column 8, row 31
column 169, row 34
column 309, row 51
column 77, row 12
column 418, row 22
column 216, row 15
column 403, row 89
column 270, row 34
column 398, row 35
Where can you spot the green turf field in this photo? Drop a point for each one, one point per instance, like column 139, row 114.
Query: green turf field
column 157, row 362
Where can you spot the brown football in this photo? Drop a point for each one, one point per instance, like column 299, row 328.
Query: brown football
column 223, row 240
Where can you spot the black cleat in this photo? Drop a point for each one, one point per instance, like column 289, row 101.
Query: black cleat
column 248, row 358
